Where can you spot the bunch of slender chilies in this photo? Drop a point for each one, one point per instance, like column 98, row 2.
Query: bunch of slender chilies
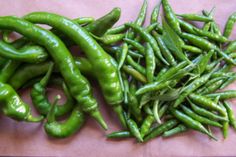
column 160, row 80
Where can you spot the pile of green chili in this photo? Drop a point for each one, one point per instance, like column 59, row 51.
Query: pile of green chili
column 160, row 80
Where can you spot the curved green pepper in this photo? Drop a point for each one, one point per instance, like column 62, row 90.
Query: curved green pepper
column 78, row 85
column 13, row 106
column 40, row 101
column 28, row 53
column 104, row 66
column 67, row 128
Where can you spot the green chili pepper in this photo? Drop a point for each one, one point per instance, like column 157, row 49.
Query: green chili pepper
column 140, row 19
column 178, row 129
column 155, row 13
column 27, row 72
column 206, row 103
column 199, row 118
column 156, row 112
column 229, row 25
column 60, row 54
column 100, row 60
column 109, row 39
column 227, row 58
column 161, row 72
column 155, row 86
column 147, row 109
column 223, row 95
column 133, row 103
column 41, row 102
column 206, row 26
column 206, row 45
column 119, row 134
column 10, row 66
column 190, row 123
column 211, row 65
column 66, row 128
column 213, row 87
column 161, row 129
column 135, row 54
column 8, row 70
column 154, row 27
column 222, row 74
column 203, row 62
column 133, row 128
column 231, row 47
column 142, row 14
column 186, row 26
column 230, row 114
column 14, row 107
column 170, row 72
column 206, row 113
column 115, row 30
column 192, row 49
column 150, row 63
column 148, row 38
column 160, row 84
column 138, row 76
column 146, row 125
column 123, row 55
column 191, row 88
column 228, row 81
column 32, row 54
column 136, row 45
column 215, row 37
column 163, row 110
column 170, row 16
column 198, row 41
column 195, row 17
column 135, row 65
column 165, row 51
column 101, row 25
column 225, row 128
column 84, row 20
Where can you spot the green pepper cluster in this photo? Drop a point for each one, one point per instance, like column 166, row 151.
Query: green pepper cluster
column 160, row 80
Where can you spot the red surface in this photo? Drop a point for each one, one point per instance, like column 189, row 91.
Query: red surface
column 24, row 139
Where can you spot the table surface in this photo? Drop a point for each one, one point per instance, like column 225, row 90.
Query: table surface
column 25, row 139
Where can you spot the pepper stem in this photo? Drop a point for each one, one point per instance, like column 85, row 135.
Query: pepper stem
column 30, row 118
column 51, row 113
column 46, row 78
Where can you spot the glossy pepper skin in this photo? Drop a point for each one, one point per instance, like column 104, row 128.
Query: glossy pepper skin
column 66, row 128
column 101, row 25
column 8, row 70
column 28, row 53
column 229, row 25
column 13, row 106
column 104, row 66
column 26, row 72
column 170, row 16
column 190, row 123
column 148, row 38
column 11, row 65
column 40, row 101
column 78, row 85
column 161, row 129
column 119, row 134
